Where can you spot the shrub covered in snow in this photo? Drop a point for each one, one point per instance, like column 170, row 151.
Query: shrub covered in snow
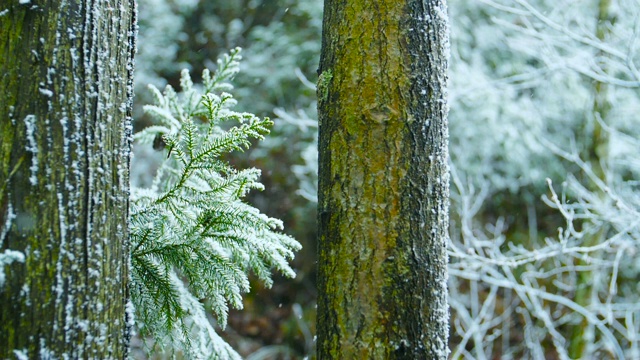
column 544, row 193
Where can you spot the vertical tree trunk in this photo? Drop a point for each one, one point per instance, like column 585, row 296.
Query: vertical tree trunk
column 66, row 80
column 595, row 154
column 383, row 180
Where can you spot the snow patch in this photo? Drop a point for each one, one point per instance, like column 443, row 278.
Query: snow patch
column 46, row 92
column 6, row 258
column 21, row 354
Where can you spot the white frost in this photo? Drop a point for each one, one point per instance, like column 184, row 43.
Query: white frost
column 46, row 92
column 6, row 258
column 32, row 147
column 21, row 354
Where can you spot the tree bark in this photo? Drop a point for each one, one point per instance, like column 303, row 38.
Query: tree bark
column 383, row 180
column 66, row 80
column 595, row 154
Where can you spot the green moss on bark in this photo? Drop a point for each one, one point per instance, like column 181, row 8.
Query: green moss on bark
column 383, row 185
column 64, row 123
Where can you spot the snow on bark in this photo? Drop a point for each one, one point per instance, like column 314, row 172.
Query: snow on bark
column 66, row 170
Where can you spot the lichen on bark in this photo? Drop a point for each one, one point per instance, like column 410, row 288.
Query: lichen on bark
column 64, row 121
column 383, row 181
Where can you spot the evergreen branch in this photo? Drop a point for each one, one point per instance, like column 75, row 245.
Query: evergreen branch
column 192, row 235
column 154, row 279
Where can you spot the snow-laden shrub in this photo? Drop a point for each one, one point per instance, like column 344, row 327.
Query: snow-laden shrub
column 193, row 238
column 542, row 298
column 545, row 89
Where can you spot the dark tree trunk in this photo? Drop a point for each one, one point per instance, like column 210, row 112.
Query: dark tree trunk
column 383, row 180
column 66, row 79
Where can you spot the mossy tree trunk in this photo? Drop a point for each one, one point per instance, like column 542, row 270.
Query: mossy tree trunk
column 66, row 80
column 595, row 154
column 383, row 180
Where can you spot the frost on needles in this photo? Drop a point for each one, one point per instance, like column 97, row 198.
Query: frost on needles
column 192, row 236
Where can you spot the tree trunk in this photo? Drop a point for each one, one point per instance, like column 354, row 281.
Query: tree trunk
column 66, row 80
column 595, row 154
column 383, row 180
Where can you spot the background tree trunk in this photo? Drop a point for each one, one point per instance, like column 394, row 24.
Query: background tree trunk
column 66, row 80
column 383, row 180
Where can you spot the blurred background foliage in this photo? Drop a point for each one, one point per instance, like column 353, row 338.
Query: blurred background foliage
column 540, row 89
